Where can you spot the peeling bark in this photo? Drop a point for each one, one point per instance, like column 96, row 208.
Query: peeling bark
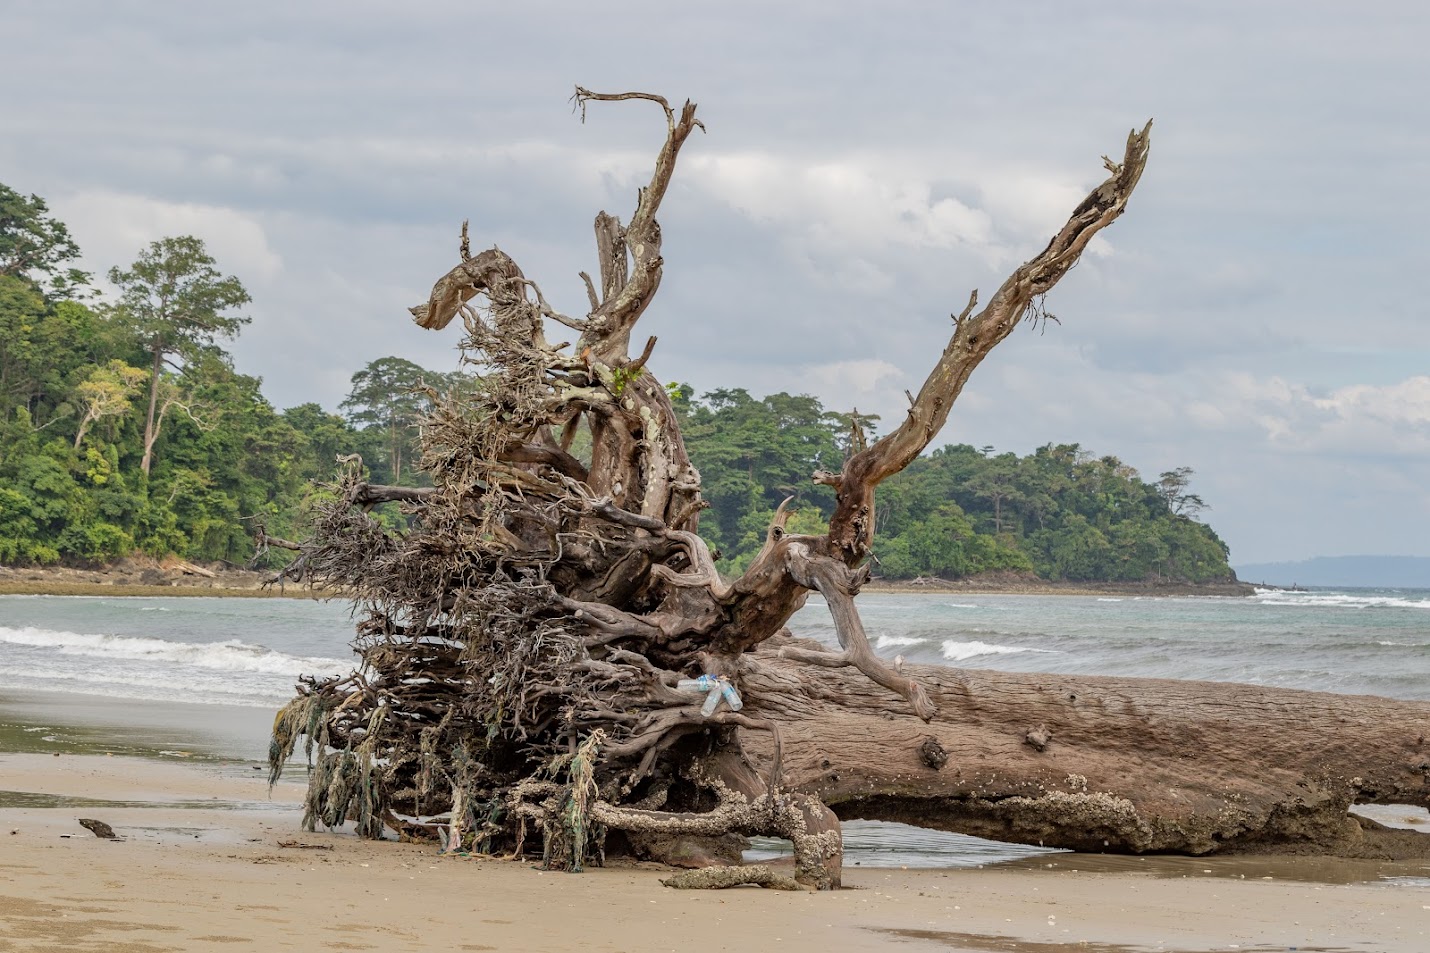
column 1127, row 766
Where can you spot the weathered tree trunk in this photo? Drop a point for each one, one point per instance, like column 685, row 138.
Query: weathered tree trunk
column 1124, row 765
column 151, row 432
column 549, row 647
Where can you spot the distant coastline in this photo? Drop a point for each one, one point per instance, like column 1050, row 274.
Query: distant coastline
column 1384, row 572
column 134, row 577
column 1026, row 585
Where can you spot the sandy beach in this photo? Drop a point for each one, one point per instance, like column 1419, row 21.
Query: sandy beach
column 209, row 862
column 203, row 866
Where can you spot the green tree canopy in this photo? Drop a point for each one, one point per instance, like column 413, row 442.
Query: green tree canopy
column 86, row 476
column 176, row 301
column 1059, row 512
column 752, row 453
column 31, row 241
column 388, row 397
column 105, row 392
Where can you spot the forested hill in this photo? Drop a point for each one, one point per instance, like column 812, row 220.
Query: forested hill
column 125, row 427
column 1060, row 512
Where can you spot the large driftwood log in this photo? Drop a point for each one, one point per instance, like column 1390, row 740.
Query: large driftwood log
column 1122, row 765
column 548, row 646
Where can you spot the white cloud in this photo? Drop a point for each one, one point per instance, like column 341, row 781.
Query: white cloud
column 842, row 385
column 1027, row 201
column 846, row 205
column 862, row 219
column 1384, row 420
column 114, row 227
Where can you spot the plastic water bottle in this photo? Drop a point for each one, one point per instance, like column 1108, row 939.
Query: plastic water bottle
column 715, row 688
column 731, row 696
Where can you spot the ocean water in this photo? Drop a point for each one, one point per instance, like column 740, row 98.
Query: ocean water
column 133, row 654
column 1353, row 641
column 245, row 652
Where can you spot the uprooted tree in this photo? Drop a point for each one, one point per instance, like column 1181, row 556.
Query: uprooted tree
column 551, row 659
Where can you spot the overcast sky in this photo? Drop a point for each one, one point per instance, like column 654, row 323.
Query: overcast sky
column 1257, row 314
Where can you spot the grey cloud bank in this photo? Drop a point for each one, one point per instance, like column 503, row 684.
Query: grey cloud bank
column 1256, row 314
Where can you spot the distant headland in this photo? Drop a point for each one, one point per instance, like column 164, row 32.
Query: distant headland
column 1388, row 572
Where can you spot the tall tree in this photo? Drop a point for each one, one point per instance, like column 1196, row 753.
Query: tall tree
column 997, row 483
column 32, row 241
column 1174, row 487
column 177, row 302
column 389, row 395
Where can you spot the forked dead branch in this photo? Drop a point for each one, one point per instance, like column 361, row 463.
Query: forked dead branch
column 550, row 651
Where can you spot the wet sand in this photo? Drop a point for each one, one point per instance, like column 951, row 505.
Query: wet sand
column 71, row 723
column 202, row 866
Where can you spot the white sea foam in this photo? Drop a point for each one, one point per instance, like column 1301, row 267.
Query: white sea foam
column 1336, row 600
column 230, row 656
column 889, row 641
column 958, row 651
column 130, row 680
column 1106, row 599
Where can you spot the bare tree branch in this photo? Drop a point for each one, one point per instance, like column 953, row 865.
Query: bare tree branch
column 974, row 337
column 625, row 298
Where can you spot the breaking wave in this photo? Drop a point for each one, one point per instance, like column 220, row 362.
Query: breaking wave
column 230, row 656
column 958, row 651
column 894, row 641
column 1337, row 600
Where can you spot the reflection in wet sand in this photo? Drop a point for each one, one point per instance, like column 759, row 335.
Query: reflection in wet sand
column 1319, row 870
column 983, row 943
column 31, row 799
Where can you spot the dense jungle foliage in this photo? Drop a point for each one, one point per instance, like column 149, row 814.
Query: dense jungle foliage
column 1060, row 512
column 124, row 428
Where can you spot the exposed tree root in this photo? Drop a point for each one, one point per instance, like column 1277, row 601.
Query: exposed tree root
column 721, row 878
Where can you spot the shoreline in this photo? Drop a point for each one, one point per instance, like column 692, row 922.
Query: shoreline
column 62, row 722
column 149, row 580
column 208, row 862
column 1043, row 587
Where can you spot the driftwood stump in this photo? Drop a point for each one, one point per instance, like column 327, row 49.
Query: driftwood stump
column 550, row 655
